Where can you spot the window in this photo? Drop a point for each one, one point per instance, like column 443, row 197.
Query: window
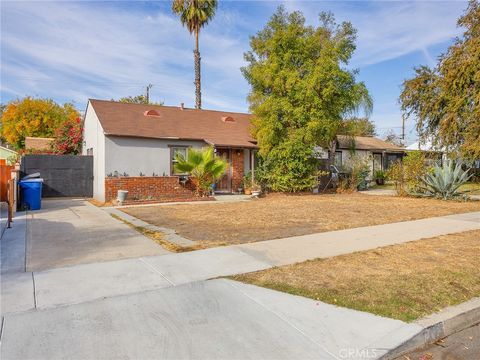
column 90, row 151
column 174, row 150
column 338, row 159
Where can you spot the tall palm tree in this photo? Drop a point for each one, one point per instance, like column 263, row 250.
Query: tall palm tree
column 194, row 14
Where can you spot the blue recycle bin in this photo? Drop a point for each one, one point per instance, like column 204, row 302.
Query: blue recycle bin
column 31, row 192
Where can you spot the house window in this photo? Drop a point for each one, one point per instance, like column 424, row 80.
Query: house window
column 391, row 159
column 174, row 150
column 338, row 159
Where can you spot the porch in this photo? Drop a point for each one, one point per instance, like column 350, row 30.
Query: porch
column 240, row 162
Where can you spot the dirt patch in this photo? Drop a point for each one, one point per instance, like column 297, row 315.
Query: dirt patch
column 279, row 216
column 404, row 281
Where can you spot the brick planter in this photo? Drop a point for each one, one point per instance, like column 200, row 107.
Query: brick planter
column 145, row 189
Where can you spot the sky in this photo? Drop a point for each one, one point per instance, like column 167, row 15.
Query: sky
column 71, row 51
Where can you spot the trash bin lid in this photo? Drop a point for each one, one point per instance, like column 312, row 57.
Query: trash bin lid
column 31, row 180
column 31, row 176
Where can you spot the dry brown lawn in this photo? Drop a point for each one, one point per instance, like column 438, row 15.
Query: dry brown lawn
column 278, row 216
column 404, row 281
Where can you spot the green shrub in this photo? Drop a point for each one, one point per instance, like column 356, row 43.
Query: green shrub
column 407, row 173
column 357, row 169
column 380, row 174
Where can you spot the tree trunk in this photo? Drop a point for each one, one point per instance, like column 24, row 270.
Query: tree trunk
column 198, row 92
column 331, row 152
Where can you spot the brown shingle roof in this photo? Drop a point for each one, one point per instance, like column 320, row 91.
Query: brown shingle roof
column 38, row 143
column 123, row 119
column 366, row 143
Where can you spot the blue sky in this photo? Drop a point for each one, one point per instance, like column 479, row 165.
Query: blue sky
column 71, row 51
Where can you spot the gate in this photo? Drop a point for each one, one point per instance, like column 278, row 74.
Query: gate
column 63, row 175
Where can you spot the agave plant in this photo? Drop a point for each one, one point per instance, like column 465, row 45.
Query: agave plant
column 444, row 181
column 203, row 167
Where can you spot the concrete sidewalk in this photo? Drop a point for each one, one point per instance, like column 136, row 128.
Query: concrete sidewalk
column 217, row 319
column 87, row 282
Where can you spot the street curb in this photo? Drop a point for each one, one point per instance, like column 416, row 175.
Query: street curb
column 439, row 325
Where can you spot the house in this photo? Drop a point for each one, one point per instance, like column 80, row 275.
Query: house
column 38, row 143
column 381, row 154
column 7, row 154
column 134, row 147
column 433, row 155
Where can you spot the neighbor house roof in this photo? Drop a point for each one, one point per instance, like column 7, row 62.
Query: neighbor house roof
column 219, row 128
column 38, row 143
column 366, row 143
column 424, row 146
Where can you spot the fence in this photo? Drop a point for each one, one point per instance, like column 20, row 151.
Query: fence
column 7, row 190
column 63, row 175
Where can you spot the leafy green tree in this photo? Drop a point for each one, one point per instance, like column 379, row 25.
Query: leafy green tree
column 33, row 117
column 139, row 99
column 203, row 167
column 195, row 14
column 445, row 100
column 359, row 127
column 300, row 93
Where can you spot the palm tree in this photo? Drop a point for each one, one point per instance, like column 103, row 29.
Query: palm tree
column 203, row 166
column 194, row 14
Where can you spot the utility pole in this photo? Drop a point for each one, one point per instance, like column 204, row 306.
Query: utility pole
column 147, row 94
column 403, row 129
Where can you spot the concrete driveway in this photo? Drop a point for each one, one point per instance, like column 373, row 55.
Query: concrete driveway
column 70, row 232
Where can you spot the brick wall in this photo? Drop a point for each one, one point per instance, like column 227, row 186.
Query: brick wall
column 148, row 188
column 237, row 169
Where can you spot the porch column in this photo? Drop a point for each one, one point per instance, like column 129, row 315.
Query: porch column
column 252, row 162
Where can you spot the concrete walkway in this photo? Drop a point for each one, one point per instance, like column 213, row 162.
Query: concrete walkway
column 162, row 307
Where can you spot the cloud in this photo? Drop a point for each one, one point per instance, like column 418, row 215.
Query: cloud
column 390, row 29
column 71, row 51
column 108, row 50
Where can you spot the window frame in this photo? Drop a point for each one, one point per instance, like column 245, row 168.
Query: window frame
column 341, row 158
column 172, row 159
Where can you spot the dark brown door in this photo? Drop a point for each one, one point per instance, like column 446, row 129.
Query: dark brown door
column 225, row 183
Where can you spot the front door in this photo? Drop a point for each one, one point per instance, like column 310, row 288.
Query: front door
column 225, row 183
column 377, row 162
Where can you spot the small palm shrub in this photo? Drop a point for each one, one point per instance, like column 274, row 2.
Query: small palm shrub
column 203, row 167
column 444, row 181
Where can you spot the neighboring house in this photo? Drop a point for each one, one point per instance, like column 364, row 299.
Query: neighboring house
column 7, row 154
column 433, row 154
column 134, row 147
column 381, row 154
column 38, row 143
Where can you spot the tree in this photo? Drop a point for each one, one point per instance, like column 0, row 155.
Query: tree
column 300, row 93
column 195, row 14
column 359, row 127
column 69, row 138
column 139, row 99
column 203, row 167
column 445, row 99
column 33, row 117
column 394, row 139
